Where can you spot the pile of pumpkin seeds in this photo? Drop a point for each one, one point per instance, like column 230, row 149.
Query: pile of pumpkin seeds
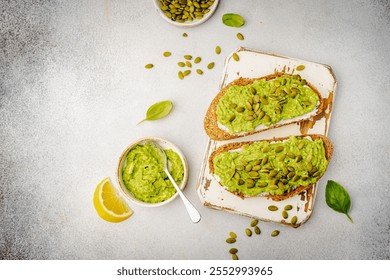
column 185, row 10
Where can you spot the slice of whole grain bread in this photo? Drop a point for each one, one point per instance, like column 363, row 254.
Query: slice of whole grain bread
column 299, row 189
column 211, row 119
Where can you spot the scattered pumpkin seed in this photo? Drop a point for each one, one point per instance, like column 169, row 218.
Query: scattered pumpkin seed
column 285, row 214
column 188, row 57
column 149, row 66
column 257, row 230
column 184, row 35
column 288, row 207
column 181, row 75
column 200, row 72
column 197, row 60
column 217, row 49
column 254, row 222
column 240, row 36
column 275, row 233
column 234, row 257
column 236, row 57
column 248, row 232
column 273, row 208
column 233, row 250
column 181, row 64
column 167, row 54
column 300, row 67
column 188, row 64
column 210, row 65
column 187, row 72
column 294, row 220
column 233, row 234
column 230, row 240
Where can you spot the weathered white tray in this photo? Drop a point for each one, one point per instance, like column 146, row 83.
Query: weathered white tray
column 254, row 64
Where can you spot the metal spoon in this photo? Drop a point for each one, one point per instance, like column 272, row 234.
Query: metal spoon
column 194, row 214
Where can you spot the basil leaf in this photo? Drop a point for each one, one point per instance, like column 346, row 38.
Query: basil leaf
column 233, row 20
column 158, row 111
column 337, row 198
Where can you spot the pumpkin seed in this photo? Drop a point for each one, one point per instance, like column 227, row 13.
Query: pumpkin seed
column 256, row 168
column 187, row 72
column 217, row 49
column 181, row 64
column 248, row 105
column 240, row 182
column 167, row 54
column 188, row 64
column 296, row 178
column 253, row 174
column 233, row 105
column 253, row 91
column 239, row 167
column 257, row 230
column 230, row 240
column 272, row 173
column 285, row 214
column 200, row 72
column 264, row 160
column 240, row 109
column 300, row 67
column 288, row 207
column 188, row 57
column 301, row 145
column 237, row 176
column 275, row 233
column 232, row 118
column 278, row 149
column 254, row 222
column 273, row 208
column 261, row 115
column 316, row 174
column 267, row 119
column 240, row 36
column 291, row 155
column 248, row 232
column 248, row 167
column 233, row 234
column 236, row 57
column 211, row 65
column 184, row 35
column 266, row 149
column 249, row 118
column 273, row 187
column 294, row 220
column 197, row 59
column 250, row 183
column 234, row 257
column 233, row 250
column 149, row 66
column 256, row 98
column 181, row 75
column 262, row 184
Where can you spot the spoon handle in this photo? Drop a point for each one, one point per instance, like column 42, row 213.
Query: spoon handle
column 194, row 214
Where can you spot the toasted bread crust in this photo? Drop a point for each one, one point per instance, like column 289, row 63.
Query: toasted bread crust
column 211, row 119
column 232, row 146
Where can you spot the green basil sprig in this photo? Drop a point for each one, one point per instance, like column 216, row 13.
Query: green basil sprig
column 338, row 198
column 158, row 111
column 233, row 20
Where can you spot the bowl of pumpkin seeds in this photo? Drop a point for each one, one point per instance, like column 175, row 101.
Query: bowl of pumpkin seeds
column 186, row 13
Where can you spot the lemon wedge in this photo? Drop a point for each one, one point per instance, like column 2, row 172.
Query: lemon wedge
column 109, row 204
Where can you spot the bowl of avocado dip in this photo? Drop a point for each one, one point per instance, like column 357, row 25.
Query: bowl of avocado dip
column 141, row 175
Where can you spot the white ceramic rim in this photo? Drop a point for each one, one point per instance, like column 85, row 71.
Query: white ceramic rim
column 186, row 23
column 165, row 144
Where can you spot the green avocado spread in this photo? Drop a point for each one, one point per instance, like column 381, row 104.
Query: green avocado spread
column 274, row 168
column 263, row 102
column 144, row 174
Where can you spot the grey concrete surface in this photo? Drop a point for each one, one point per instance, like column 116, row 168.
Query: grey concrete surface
column 73, row 86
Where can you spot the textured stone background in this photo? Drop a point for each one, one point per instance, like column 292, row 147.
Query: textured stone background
column 73, row 86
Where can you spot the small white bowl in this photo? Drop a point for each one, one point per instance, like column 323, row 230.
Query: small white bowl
column 165, row 145
column 186, row 23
